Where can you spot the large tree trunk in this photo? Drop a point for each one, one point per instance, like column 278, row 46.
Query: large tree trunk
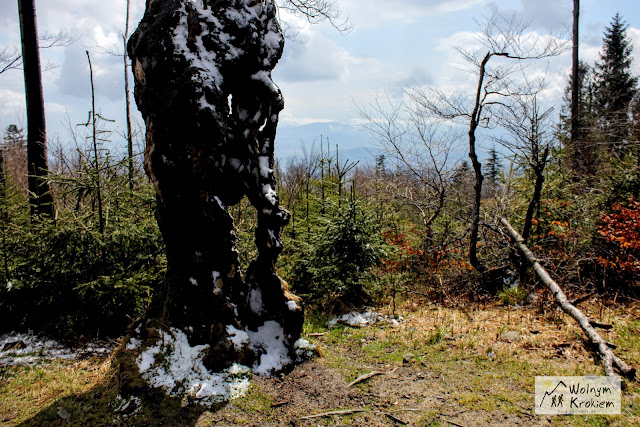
column 203, row 85
column 40, row 198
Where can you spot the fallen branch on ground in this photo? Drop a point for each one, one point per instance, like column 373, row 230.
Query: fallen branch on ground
column 365, row 377
column 609, row 360
column 600, row 325
column 352, row 325
column 330, row 413
column 395, row 420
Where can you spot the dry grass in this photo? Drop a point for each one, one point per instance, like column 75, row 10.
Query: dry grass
column 467, row 368
column 25, row 391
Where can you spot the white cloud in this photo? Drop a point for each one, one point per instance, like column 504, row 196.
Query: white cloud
column 12, row 105
column 319, row 58
column 368, row 14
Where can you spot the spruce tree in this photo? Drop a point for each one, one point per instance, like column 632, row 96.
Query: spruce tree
column 492, row 170
column 616, row 86
column 580, row 151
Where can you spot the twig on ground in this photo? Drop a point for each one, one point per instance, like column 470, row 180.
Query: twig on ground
column 331, row 413
column 353, row 325
column 600, row 325
column 395, row 420
column 581, row 299
column 450, row 422
column 365, row 377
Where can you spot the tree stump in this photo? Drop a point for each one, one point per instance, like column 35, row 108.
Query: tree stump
column 203, row 85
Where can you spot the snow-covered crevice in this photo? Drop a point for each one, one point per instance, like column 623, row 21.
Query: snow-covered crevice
column 269, row 344
column 177, row 367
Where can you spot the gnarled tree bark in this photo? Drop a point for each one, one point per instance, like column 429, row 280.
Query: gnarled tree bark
column 203, row 85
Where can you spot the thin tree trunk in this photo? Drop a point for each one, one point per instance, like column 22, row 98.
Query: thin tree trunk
column 4, row 217
column 321, row 176
column 95, row 149
column 477, row 168
column 535, row 199
column 608, row 359
column 40, row 198
column 126, row 95
column 575, row 78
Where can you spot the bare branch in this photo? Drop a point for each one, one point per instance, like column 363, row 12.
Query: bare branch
column 11, row 58
column 316, row 11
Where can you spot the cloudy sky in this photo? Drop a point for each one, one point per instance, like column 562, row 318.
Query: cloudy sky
column 324, row 74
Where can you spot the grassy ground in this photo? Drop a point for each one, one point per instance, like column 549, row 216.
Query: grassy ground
column 462, row 366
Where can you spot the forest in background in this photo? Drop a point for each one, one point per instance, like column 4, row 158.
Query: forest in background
column 359, row 234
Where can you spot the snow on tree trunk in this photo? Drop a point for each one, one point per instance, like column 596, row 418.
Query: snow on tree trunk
column 203, row 85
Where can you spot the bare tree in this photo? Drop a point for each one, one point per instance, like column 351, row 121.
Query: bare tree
column 421, row 148
column 500, row 38
column 531, row 136
column 41, row 200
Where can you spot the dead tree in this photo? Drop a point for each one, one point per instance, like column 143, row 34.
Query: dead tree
column 421, row 148
column 203, row 85
column 127, row 101
column 530, row 137
column 40, row 198
column 505, row 45
column 608, row 359
column 575, row 75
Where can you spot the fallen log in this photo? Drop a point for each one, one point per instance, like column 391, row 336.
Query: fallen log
column 608, row 359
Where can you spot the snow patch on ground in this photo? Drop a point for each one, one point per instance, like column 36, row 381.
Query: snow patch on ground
column 28, row 349
column 181, row 371
column 366, row 318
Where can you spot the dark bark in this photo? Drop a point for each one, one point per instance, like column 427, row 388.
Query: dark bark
column 96, row 157
column 203, row 85
column 575, row 78
column 537, row 192
column 40, row 199
column 127, row 100
column 477, row 168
